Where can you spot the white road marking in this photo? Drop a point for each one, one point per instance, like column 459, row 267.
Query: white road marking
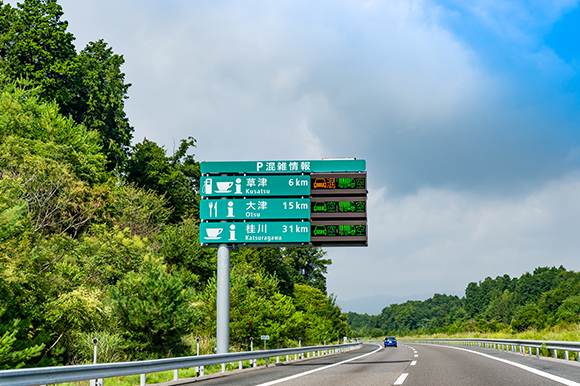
column 401, row 379
column 413, row 363
column 416, row 355
column 541, row 373
column 276, row 381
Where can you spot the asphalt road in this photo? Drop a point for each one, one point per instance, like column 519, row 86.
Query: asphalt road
column 409, row 365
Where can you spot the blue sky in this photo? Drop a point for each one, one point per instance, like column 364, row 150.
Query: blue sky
column 466, row 112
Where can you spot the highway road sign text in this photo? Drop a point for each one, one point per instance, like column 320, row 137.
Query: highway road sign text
column 254, row 232
column 254, row 209
column 304, row 166
column 241, row 186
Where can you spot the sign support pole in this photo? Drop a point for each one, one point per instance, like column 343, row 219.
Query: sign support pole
column 223, row 299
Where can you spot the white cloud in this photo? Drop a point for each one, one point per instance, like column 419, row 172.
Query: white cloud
column 439, row 240
column 244, row 77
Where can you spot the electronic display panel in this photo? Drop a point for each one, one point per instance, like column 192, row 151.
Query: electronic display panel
column 338, row 183
column 322, row 232
column 338, row 207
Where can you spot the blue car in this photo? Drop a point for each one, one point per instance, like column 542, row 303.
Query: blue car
column 390, row 341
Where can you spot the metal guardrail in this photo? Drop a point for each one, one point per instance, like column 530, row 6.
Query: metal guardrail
column 60, row 374
column 511, row 345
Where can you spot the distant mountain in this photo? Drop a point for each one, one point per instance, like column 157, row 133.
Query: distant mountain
column 373, row 305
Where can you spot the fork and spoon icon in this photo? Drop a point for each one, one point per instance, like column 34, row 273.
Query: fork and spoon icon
column 213, row 206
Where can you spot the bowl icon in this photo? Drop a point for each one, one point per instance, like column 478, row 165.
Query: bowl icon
column 224, row 186
column 213, row 233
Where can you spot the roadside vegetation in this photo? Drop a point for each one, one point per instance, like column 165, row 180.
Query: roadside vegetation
column 99, row 236
column 542, row 305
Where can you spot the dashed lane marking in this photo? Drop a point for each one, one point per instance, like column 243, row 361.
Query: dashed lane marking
column 413, row 363
column 401, row 379
column 416, row 355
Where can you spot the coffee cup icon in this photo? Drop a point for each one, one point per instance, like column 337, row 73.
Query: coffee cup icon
column 224, row 186
column 213, row 233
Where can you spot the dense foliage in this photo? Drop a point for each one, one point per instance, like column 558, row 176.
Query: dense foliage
column 99, row 238
column 546, row 297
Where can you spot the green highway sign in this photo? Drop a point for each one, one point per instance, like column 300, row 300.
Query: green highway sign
column 308, row 166
column 263, row 186
column 254, row 232
column 257, row 203
column 255, row 209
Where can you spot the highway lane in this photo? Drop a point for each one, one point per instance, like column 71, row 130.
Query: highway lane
column 409, row 365
column 449, row 366
column 370, row 365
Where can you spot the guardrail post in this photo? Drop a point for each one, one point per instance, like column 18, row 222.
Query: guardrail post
column 566, row 356
column 175, row 374
column 555, row 354
column 278, row 359
column 240, row 365
column 143, row 379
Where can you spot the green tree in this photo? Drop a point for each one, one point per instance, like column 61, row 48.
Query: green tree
column 154, row 311
column 268, row 260
column 529, row 316
column 99, row 99
column 308, row 266
column 175, row 177
column 569, row 310
column 503, row 308
column 322, row 316
column 255, row 309
column 35, row 44
column 143, row 213
column 180, row 248
column 11, row 358
column 89, row 87
column 31, row 127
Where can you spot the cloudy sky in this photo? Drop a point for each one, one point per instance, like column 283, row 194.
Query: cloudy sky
column 467, row 113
